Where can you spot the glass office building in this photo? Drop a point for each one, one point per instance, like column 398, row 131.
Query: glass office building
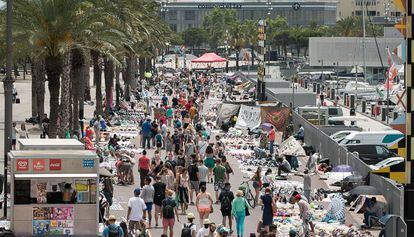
column 183, row 14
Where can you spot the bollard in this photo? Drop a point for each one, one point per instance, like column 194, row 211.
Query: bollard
column 352, row 101
column 383, row 114
column 318, row 89
column 373, row 110
column 306, row 84
column 344, row 97
column 364, row 106
column 333, row 95
column 314, row 87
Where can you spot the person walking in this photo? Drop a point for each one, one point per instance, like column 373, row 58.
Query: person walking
column 266, row 179
column 112, row 230
column 169, row 208
column 136, row 208
column 205, row 230
column 257, row 183
column 14, row 136
column 147, row 195
column 23, row 134
column 159, row 196
column 204, row 203
column 146, row 133
column 269, row 205
column 189, row 229
column 272, row 137
column 307, row 185
column 305, row 214
column 183, row 181
column 219, row 178
column 144, row 167
column 229, row 170
column 226, row 198
column 202, row 171
column 194, row 177
column 239, row 209
column 209, row 162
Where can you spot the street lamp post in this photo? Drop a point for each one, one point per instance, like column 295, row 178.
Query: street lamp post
column 8, row 103
column 337, row 80
column 226, row 43
column 269, row 13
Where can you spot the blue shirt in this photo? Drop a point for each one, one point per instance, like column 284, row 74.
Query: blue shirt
column 105, row 232
column 146, row 128
column 103, row 124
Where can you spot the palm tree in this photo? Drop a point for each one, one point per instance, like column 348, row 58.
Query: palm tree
column 250, row 34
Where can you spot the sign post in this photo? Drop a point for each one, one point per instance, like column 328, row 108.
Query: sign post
column 261, row 72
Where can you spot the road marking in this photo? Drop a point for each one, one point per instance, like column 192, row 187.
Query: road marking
column 116, row 207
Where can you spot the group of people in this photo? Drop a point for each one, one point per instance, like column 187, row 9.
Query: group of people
column 187, row 161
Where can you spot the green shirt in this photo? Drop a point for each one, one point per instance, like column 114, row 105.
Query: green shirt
column 238, row 206
column 219, row 173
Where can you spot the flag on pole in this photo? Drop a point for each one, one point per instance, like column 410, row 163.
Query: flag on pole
column 392, row 71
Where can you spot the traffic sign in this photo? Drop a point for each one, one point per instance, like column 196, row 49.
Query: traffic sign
column 296, row 6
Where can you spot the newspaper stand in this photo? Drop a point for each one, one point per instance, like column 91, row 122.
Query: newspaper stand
column 54, row 192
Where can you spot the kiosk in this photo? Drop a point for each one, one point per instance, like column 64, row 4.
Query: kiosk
column 50, row 144
column 54, row 192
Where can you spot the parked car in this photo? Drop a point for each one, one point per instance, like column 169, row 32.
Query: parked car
column 387, row 162
column 371, row 154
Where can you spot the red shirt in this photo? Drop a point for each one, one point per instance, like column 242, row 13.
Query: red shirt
column 144, row 163
column 163, row 119
column 272, row 135
column 89, row 133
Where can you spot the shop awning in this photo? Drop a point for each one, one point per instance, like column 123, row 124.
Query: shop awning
column 209, row 58
column 51, row 176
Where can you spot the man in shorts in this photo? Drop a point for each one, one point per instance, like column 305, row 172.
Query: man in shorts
column 169, row 210
column 202, row 171
column 194, row 177
column 136, row 208
column 220, row 173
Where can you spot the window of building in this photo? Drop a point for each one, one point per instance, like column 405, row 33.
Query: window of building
column 172, row 15
column 189, row 15
column 173, row 27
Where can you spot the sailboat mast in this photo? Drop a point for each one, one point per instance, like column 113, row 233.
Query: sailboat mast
column 363, row 38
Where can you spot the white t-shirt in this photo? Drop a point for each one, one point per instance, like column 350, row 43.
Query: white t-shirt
column 203, row 170
column 203, row 232
column 137, row 206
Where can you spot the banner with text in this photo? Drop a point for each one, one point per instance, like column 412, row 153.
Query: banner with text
column 249, row 117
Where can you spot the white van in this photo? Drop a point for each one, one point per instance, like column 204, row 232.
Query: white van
column 339, row 136
column 385, row 138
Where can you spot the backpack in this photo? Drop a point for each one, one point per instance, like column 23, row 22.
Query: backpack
column 186, row 231
column 226, row 203
column 167, row 209
column 113, row 231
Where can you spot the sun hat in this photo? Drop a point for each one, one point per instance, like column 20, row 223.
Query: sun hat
column 111, row 218
column 190, row 216
column 206, row 222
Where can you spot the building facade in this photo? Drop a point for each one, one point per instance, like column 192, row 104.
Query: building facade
column 377, row 9
column 184, row 14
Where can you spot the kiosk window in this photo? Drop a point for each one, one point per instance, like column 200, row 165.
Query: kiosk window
column 38, row 191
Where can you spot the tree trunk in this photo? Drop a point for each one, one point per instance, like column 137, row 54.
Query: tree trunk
column 65, row 99
column 16, row 71
column 109, row 83
column 253, row 55
column 97, row 78
column 77, row 77
column 117, row 86
column 83, row 85
column 87, row 74
column 38, row 77
column 141, row 66
column 34, row 89
column 237, row 59
column 54, row 67
column 127, row 76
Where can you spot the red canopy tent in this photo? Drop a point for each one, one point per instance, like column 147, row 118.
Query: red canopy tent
column 209, row 58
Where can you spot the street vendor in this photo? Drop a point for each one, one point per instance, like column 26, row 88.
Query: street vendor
column 283, row 166
column 305, row 214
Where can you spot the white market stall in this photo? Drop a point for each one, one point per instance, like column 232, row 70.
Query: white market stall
column 54, row 192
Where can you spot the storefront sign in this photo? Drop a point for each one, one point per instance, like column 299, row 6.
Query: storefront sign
column 39, row 164
column 88, row 163
column 22, row 164
column 55, row 164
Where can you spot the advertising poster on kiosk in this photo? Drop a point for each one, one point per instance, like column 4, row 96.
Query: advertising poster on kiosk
column 52, row 221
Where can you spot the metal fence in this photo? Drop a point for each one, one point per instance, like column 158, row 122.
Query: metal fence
column 337, row 155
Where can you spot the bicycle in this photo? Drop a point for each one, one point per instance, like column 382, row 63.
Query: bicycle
column 245, row 187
